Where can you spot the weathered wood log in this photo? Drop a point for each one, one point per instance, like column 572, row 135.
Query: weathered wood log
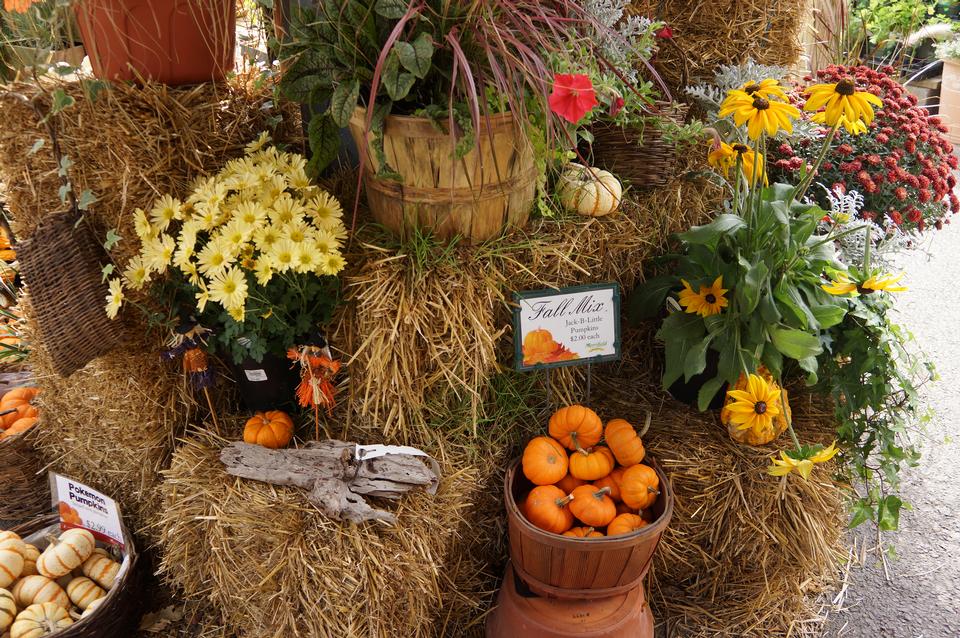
column 337, row 481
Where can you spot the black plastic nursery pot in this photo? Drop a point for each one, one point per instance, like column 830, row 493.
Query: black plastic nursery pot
column 268, row 384
column 687, row 391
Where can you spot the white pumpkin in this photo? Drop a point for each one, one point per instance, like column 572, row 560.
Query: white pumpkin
column 8, row 609
column 30, row 556
column 11, row 566
column 66, row 553
column 10, row 540
column 83, row 591
column 589, row 191
column 92, row 607
column 101, row 569
column 39, row 589
column 40, row 620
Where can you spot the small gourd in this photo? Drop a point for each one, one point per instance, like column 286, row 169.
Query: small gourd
column 589, row 191
column 544, row 461
column 8, row 609
column 592, row 506
column 92, row 607
column 576, row 426
column 639, row 486
column 624, row 441
column 591, row 465
column 101, row 569
column 612, row 481
column 39, row 589
column 625, row 524
column 547, row 507
column 40, row 620
column 66, row 553
column 272, row 429
column 11, row 566
column 83, row 591
column 569, row 483
column 583, row 532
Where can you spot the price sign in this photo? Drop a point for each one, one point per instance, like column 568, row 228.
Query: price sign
column 82, row 506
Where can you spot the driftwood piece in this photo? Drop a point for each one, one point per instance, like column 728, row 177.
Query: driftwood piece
column 336, row 480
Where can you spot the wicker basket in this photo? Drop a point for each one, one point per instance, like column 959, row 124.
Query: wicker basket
column 638, row 155
column 25, row 491
column 118, row 615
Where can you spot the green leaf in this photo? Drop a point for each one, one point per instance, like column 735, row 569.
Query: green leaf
column 828, row 315
column 324, row 136
column 61, row 101
column 86, row 200
column 754, row 281
column 344, row 101
column 647, row 299
column 397, row 83
column 106, row 271
column 862, row 512
column 795, row 344
column 112, row 239
column 416, row 56
column 707, row 391
column 675, row 351
column 809, row 364
column 392, row 9
column 708, row 234
column 36, row 146
column 888, row 514
column 696, row 360
column 308, row 71
column 772, row 358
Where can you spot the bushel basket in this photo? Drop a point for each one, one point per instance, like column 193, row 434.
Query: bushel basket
column 25, row 491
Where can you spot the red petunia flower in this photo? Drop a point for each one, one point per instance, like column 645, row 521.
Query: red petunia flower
column 573, row 96
column 665, row 33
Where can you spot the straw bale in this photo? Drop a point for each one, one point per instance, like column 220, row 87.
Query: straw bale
column 708, row 33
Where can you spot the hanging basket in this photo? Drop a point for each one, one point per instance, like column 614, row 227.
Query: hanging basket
column 638, row 155
column 25, row 491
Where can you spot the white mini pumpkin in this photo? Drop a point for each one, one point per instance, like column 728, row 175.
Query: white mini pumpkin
column 92, row 607
column 66, row 553
column 11, row 566
column 589, row 191
column 8, row 609
column 39, row 589
column 83, row 591
column 10, row 540
column 40, row 620
column 101, row 569
column 30, row 556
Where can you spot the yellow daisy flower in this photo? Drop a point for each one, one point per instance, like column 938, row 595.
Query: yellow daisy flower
column 803, row 465
column 324, row 208
column 215, row 257
column 886, row 283
column 282, row 255
column 273, row 189
column 857, row 127
column 305, row 257
column 157, row 252
column 235, row 235
column 298, row 179
column 755, row 407
column 203, row 296
column 165, row 211
column 262, row 140
column 263, row 270
column 248, row 179
column 759, row 113
column 842, row 100
column 724, row 157
column 843, row 284
column 114, row 298
column 136, row 273
column 190, row 270
column 265, row 237
column 229, row 288
column 331, row 264
column 325, row 242
column 285, row 209
column 709, row 301
column 250, row 215
column 142, row 225
column 296, row 231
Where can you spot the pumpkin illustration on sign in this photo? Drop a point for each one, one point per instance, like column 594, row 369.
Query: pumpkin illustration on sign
column 539, row 346
column 68, row 514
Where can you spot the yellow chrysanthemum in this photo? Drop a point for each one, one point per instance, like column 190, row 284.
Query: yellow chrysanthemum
column 245, row 180
column 229, row 288
column 203, row 297
column 296, row 231
column 215, row 257
column 207, row 215
column 142, row 225
column 331, row 263
column 325, row 242
column 298, row 179
column 250, row 215
column 709, row 301
column 262, row 140
column 136, row 274
column 857, row 127
column 266, row 237
column 759, row 113
column 842, row 100
column 724, row 157
column 114, row 298
column 285, row 209
column 165, row 211
column 305, row 257
column 325, row 209
column 263, row 270
column 189, row 269
column 282, row 255
column 235, row 235
column 273, row 189
column 803, row 466
column 755, row 407
column 157, row 252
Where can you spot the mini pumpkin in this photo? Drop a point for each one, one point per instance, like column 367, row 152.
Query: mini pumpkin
column 624, row 441
column 623, row 508
column 576, row 426
column 272, row 429
column 756, row 436
column 16, row 411
column 83, row 591
column 639, row 486
column 583, row 532
column 612, row 480
column 547, row 507
column 101, row 569
column 589, row 191
column 27, row 394
column 30, row 556
column 40, row 620
column 39, row 589
column 11, row 540
column 66, row 553
column 11, row 566
column 544, row 461
column 625, row 524
column 20, row 426
column 92, row 607
column 8, row 609
column 591, row 465
column 569, row 483
column 592, row 506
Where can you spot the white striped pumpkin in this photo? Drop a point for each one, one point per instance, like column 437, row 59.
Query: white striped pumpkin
column 83, row 591
column 39, row 589
column 101, row 569
column 10, row 540
column 68, row 552
column 589, row 191
column 11, row 566
column 40, row 620
column 92, row 607
column 30, row 556
column 8, row 609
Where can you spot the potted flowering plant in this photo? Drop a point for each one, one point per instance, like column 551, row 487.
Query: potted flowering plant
column 35, row 33
column 251, row 255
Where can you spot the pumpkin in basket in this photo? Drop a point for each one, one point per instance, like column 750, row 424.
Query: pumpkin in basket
column 576, row 426
column 12, row 540
column 8, row 609
column 92, row 607
column 272, row 429
column 589, row 191
column 40, row 620
column 612, row 481
column 583, row 532
column 39, row 589
column 624, row 442
column 66, row 553
column 625, row 524
column 763, row 431
column 547, row 507
column 544, row 461
column 639, row 486
column 592, row 506
column 11, row 566
column 19, row 426
column 83, row 591
column 591, row 465
column 27, row 393
column 30, row 556
column 15, row 411
column 569, row 483
column 101, row 569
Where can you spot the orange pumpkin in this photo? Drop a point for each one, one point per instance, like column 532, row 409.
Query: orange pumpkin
column 593, row 506
column 612, row 480
column 576, row 426
column 591, row 465
column 27, row 393
column 639, row 486
column 544, row 461
column 624, row 442
column 16, row 411
column 623, row 508
column 569, row 483
column 547, row 507
column 272, row 429
column 625, row 524
column 583, row 532
column 8, row 254
column 20, row 426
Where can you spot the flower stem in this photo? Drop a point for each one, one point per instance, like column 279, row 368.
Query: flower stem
column 866, row 251
column 805, row 184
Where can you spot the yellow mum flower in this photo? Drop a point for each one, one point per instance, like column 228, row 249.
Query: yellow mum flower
column 285, row 209
column 248, row 179
column 296, row 231
column 203, row 296
column 282, row 255
column 273, row 189
column 215, row 257
column 165, row 211
column 724, row 157
column 229, row 288
column 298, row 179
column 800, row 462
column 190, row 270
column 263, row 271
column 755, row 407
column 325, row 242
column 325, row 209
column 250, row 215
column 266, row 237
column 709, row 301
column 305, row 257
column 331, row 264
column 857, row 127
column 235, row 235
column 759, row 113
column 157, row 253
column 142, row 225
column 136, row 273
column 262, row 140
column 842, row 100
column 115, row 298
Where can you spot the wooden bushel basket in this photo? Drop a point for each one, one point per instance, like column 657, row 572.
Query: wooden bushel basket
column 488, row 191
column 26, row 494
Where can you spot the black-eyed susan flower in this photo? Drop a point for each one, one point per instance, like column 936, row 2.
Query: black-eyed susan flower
column 759, row 113
column 709, row 301
column 886, row 283
column 842, row 99
column 723, row 157
column 843, row 284
column 756, row 406
column 801, row 461
column 856, row 127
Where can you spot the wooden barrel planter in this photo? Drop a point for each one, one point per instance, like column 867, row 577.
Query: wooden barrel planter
column 25, row 490
column 488, row 191
column 583, row 568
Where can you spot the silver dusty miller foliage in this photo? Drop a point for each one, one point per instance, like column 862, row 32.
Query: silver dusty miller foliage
column 731, row 76
column 625, row 40
column 884, row 242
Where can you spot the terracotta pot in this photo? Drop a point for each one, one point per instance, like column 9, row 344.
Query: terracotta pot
column 170, row 41
column 950, row 98
column 581, row 568
column 479, row 196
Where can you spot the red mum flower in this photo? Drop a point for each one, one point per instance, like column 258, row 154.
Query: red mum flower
column 900, row 193
column 573, row 96
column 914, row 215
column 896, row 217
